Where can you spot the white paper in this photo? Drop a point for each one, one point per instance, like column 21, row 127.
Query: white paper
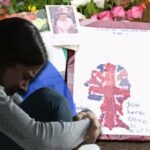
column 56, row 54
column 112, row 78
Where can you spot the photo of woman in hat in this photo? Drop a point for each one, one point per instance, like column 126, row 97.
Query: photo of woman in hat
column 64, row 22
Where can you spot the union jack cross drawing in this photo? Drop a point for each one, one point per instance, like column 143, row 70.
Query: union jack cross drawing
column 109, row 84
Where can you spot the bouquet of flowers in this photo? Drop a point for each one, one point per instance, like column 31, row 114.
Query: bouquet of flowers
column 131, row 10
column 14, row 6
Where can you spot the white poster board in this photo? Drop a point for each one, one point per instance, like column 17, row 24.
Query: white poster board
column 55, row 54
column 112, row 78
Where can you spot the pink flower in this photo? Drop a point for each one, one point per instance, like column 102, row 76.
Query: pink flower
column 94, row 17
column 118, row 12
column 105, row 15
column 129, row 14
column 135, row 12
column 5, row 2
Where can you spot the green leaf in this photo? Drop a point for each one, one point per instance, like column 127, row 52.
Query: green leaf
column 137, row 2
column 91, row 8
column 108, row 6
column 66, row 2
column 116, row 2
column 81, row 9
column 11, row 11
column 86, row 13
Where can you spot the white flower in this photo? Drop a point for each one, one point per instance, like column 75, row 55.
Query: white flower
column 99, row 3
column 80, row 16
column 76, row 3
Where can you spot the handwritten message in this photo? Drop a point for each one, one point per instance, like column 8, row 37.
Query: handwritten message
column 138, row 124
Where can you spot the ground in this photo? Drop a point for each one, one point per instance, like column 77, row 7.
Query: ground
column 117, row 145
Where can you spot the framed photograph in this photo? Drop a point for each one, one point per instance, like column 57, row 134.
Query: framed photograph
column 64, row 24
column 112, row 78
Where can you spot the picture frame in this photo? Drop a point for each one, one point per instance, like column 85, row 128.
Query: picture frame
column 64, row 24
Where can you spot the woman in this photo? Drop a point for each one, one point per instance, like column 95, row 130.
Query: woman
column 43, row 121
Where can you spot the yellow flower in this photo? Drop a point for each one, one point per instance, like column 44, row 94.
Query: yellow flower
column 32, row 8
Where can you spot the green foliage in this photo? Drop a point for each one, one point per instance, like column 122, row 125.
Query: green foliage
column 127, row 4
column 89, row 9
column 23, row 5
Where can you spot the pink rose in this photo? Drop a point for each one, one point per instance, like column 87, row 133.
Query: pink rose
column 94, row 17
column 118, row 12
column 129, row 14
column 105, row 15
column 135, row 12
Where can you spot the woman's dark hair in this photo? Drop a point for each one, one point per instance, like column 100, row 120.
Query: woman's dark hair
column 21, row 43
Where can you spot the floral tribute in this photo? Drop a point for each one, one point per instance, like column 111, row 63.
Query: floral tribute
column 15, row 6
column 131, row 10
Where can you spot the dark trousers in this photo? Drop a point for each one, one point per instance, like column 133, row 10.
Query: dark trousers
column 44, row 105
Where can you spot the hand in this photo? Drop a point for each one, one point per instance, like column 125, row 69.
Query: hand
column 94, row 129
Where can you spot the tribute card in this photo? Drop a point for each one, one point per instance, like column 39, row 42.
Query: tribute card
column 112, row 78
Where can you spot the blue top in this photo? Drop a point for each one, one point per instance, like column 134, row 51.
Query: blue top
column 50, row 77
